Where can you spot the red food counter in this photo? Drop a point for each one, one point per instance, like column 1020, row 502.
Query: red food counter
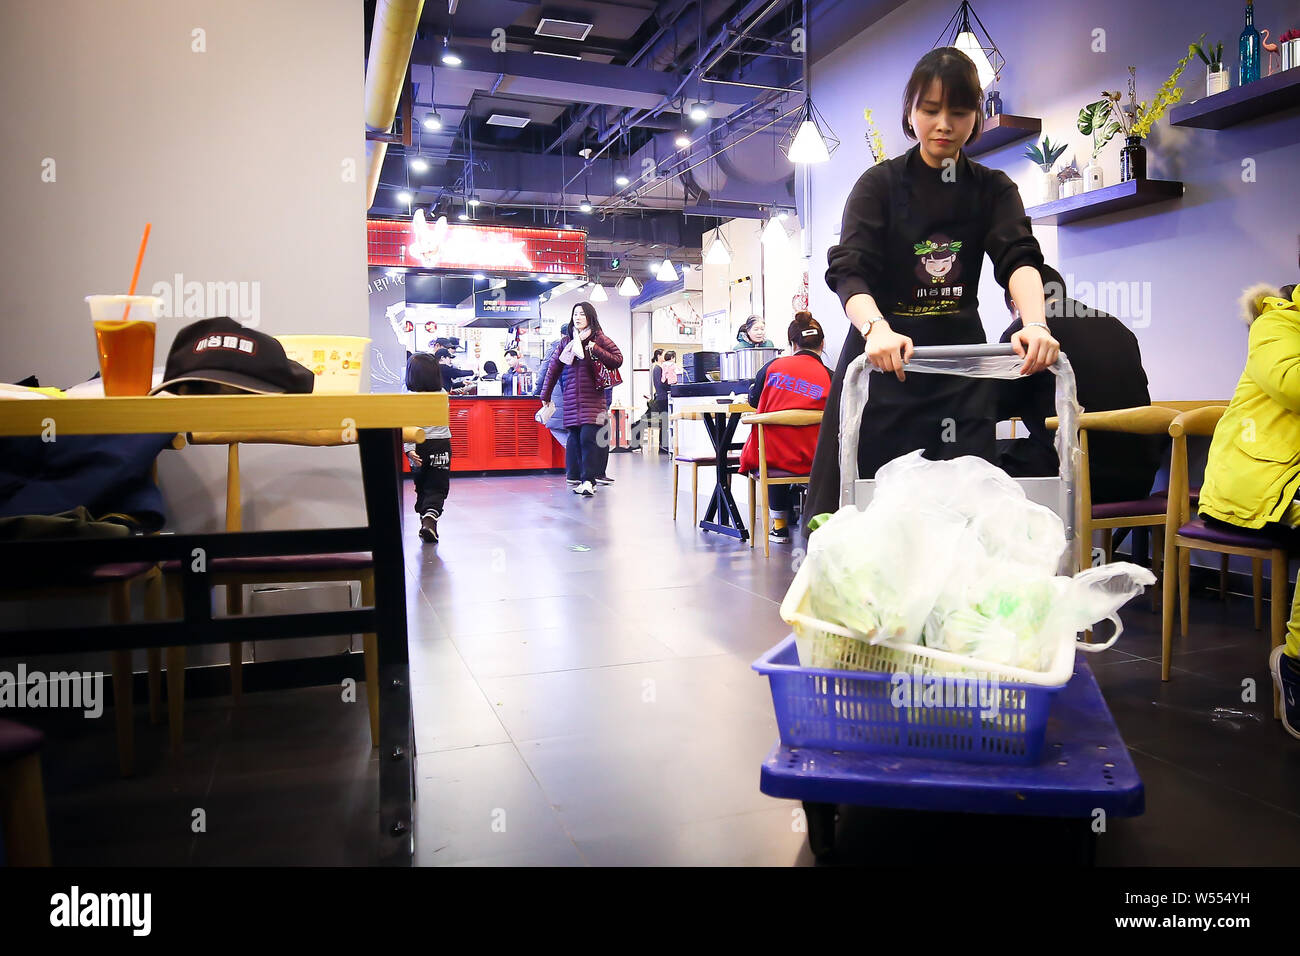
column 499, row 433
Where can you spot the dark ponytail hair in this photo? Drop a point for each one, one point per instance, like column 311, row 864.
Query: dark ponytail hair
column 959, row 80
column 805, row 332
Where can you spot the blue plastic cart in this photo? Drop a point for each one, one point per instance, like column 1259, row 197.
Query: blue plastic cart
column 1084, row 766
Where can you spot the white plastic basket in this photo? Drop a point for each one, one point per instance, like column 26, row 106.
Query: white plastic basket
column 822, row 644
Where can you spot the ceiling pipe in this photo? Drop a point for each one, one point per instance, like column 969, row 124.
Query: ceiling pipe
column 391, row 39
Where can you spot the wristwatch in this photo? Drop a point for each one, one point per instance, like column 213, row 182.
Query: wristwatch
column 871, row 324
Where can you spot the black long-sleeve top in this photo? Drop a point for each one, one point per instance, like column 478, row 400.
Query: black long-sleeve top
column 914, row 239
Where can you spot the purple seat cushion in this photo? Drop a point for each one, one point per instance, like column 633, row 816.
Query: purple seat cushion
column 733, row 457
column 775, row 473
column 341, row 561
column 1198, row 529
column 81, row 576
column 1154, row 505
column 17, row 741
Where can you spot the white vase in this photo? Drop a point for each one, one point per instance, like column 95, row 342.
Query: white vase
column 1216, row 81
column 1093, row 177
column 1049, row 187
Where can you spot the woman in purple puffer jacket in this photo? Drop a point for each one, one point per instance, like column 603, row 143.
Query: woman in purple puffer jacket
column 582, row 396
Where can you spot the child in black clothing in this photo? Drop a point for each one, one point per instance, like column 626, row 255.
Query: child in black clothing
column 433, row 471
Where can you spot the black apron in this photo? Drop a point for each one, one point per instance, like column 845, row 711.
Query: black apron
column 930, row 294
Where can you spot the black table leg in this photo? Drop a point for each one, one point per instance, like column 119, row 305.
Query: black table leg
column 722, row 429
column 382, row 480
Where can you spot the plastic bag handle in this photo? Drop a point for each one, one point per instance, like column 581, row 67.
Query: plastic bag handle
column 1098, row 648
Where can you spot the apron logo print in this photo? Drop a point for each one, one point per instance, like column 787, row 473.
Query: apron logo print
column 938, row 265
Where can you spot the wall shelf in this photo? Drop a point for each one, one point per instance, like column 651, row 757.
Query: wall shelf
column 1108, row 199
column 1004, row 129
column 1268, row 94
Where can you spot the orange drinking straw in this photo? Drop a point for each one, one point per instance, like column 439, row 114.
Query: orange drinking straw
column 135, row 276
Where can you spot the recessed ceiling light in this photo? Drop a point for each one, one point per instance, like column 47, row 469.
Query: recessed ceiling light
column 562, row 29
column 621, row 180
column 474, row 201
column 404, row 198
column 508, row 119
column 433, row 120
column 683, row 140
column 419, row 164
column 566, row 56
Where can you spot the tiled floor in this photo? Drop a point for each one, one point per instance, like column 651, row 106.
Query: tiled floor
column 583, row 696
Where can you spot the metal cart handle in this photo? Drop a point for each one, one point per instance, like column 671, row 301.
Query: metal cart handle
column 981, row 350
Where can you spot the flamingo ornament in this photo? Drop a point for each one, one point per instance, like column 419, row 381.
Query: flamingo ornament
column 1274, row 56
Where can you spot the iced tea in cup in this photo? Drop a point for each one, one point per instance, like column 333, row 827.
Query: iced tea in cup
column 125, row 340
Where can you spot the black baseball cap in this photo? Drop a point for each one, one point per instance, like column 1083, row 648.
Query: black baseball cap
column 212, row 356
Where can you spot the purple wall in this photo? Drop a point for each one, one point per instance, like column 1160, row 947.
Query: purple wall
column 1190, row 258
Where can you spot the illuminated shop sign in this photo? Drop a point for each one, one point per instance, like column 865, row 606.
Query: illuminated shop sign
column 467, row 247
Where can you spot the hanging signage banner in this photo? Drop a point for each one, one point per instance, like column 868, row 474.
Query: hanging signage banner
column 467, row 247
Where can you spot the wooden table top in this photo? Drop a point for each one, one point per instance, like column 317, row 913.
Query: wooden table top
column 218, row 413
column 734, row 408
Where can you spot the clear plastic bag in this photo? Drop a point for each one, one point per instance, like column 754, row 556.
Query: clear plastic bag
column 951, row 555
column 878, row 572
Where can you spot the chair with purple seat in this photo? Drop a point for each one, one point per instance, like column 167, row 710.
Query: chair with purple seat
column 235, row 573
column 1185, row 532
column 24, row 833
column 764, row 477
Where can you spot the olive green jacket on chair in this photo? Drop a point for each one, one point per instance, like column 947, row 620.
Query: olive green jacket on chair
column 1253, row 470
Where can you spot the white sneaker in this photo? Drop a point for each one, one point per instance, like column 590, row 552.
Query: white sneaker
column 587, row 489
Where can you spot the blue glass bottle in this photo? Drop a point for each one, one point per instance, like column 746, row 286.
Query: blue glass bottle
column 1248, row 48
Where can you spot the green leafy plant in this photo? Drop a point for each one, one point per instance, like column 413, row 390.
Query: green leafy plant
column 1095, row 120
column 1213, row 56
column 1046, row 157
column 1136, row 119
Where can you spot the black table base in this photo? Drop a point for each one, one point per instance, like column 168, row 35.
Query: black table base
column 721, row 427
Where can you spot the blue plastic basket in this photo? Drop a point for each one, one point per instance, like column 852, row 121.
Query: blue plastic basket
column 871, row 712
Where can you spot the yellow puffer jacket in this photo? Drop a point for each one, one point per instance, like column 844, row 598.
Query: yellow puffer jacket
column 1253, row 470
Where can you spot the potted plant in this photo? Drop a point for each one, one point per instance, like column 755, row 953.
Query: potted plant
column 1136, row 119
column 1216, row 77
column 1045, row 158
column 1095, row 120
column 1069, row 182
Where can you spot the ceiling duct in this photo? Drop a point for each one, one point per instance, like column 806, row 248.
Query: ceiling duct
column 391, row 38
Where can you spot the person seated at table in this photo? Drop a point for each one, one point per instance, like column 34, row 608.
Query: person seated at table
column 432, row 465
column 1108, row 374
column 798, row 380
column 457, row 380
column 1252, row 474
column 753, row 334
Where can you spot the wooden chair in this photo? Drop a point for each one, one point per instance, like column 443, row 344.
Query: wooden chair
column 1185, row 533
column 24, row 832
column 790, row 418
column 234, row 573
column 696, row 462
